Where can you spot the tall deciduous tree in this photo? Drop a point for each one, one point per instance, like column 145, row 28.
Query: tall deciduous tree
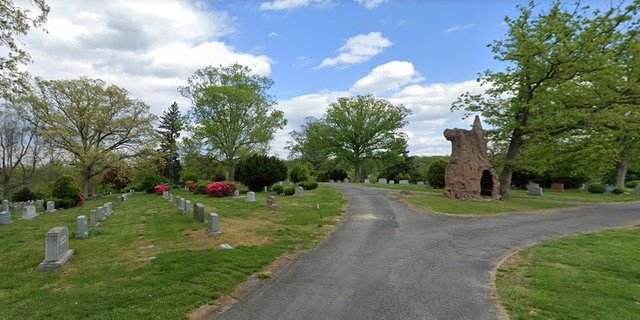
column 364, row 127
column 98, row 125
column 170, row 127
column 549, row 56
column 16, row 22
column 233, row 112
column 308, row 144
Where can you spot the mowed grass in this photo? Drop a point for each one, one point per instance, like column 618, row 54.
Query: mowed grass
column 578, row 196
column 106, row 280
column 592, row 276
column 409, row 187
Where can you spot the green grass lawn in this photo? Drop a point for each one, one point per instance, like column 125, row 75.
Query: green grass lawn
column 593, row 276
column 106, row 279
column 410, row 187
column 579, row 196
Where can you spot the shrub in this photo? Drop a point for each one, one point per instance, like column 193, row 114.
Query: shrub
column 632, row 183
column 597, row 188
column 219, row 176
column 25, row 194
column 293, row 175
column 201, row 187
column 407, row 177
column 309, row 185
column 304, row 174
column 322, row 177
column 257, row 171
column 337, row 174
column 148, row 181
column 221, row 189
column 65, row 187
column 435, row 173
column 192, row 187
column 160, row 189
column 290, row 190
column 277, row 188
column 619, row 191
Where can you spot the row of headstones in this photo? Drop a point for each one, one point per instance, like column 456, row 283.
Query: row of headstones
column 534, row 189
column 28, row 212
column 384, row 181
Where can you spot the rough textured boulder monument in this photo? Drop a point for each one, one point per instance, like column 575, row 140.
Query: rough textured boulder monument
column 57, row 251
column 469, row 175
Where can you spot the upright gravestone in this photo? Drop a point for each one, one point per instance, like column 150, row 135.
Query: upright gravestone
column 106, row 210
column 382, row 181
column 119, row 202
column 83, row 228
column 251, row 196
column 100, row 214
column 56, row 250
column 403, row 182
column 51, row 207
column 299, row 192
column 5, row 218
column 534, row 190
column 5, row 205
column 29, row 213
column 420, row 183
column 280, row 182
column 637, row 188
column 198, row 213
column 236, row 195
column 609, row 189
column 165, row 195
column 93, row 216
column 178, row 204
column 40, row 203
column 558, row 187
column 366, row 180
column 183, row 204
column 17, row 208
column 214, row 225
column 271, row 202
column 170, row 198
column 392, row 182
column 265, row 189
column 332, row 181
column 187, row 205
column 586, row 186
column 110, row 208
column 346, row 180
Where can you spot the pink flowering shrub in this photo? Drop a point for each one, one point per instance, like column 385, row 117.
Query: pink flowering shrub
column 221, row 189
column 192, row 187
column 81, row 202
column 160, row 189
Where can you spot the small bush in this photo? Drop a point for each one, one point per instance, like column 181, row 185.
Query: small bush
column 619, row 191
column 435, row 173
column 192, row 187
column 25, row 194
column 632, row 183
column 293, row 174
column 322, row 177
column 337, row 174
column 597, row 188
column 304, row 174
column 257, row 171
column 277, row 188
column 290, row 190
column 65, row 187
column 201, row 187
column 309, row 185
column 407, row 177
column 221, row 189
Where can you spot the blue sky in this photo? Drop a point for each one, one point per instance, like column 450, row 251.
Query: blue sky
column 422, row 54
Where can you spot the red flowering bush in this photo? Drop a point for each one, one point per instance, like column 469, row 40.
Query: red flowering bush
column 160, row 189
column 192, row 187
column 221, row 189
column 81, row 202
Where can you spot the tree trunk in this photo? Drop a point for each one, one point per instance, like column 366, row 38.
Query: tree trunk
column 232, row 170
column 507, row 170
column 357, row 171
column 621, row 170
column 86, row 177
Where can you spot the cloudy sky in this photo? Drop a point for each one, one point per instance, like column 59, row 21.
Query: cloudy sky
column 422, row 53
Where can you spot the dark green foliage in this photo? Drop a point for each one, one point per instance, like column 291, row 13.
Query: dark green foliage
column 277, row 188
column 219, row 176
column 201, row 187
column 290, row 190
column 435, row 173
column 304, row 174
column 322, row 177
column 25, row 194
column 521, row 177
column 337, row 174
column 170, row 126
column 293, row 174
column 309, row 185
column 409, row 167
column 632, row 183
column 65, row 187
column 597, row 188
column 257, row 171
column 618, row 191
column 148, row 181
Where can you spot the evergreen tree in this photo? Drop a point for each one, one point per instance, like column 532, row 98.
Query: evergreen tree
column 170, row 127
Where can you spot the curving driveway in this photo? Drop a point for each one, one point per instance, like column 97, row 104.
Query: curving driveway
column 388, row 262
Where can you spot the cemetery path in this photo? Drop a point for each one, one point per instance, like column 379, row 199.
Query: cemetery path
column 388, row 262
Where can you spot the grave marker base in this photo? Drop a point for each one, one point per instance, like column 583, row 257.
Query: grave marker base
column 52, row 265
column 213, row 233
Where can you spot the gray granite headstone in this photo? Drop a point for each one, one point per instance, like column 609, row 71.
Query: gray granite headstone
column 637, row 188
column 183, row 204
column 198, row 213
column 251, row 196
column 93, row 216
column 5, row 205
column 100, row 214
column 119, row 202
column 609, row 189
column 17, row 208
column 346, row 180
column 534, row 191
column 236, row 195
column 265, row 189
column 366, row 180
column 57, row 251
column 187, row 205
column 213, row 225
column 5, row 218
column 392, row 182
column 403, row 182
column 420, row 183
column 83, row 228
column 332, row 181
column 299, row 192
column 382, row 181
column 170, row 198
column 106, row 210
column 28, row 213
column 178, row 203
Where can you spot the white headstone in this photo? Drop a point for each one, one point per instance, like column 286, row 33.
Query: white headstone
column 265, row 190
column 51, row 207
column 213, row 225
column 40, row 203
column 251, row 196
column 187, row 205
column 5, row 205
column 28, row 213
column 346, row 180
column 392, row 182
column 57, row 251
column 236, row 195
column 106, row 210
column 421, row 183
column 366, row 180
column 110, row 208
column 5, row 218
column 331, row 181
column 119, row 202
column 93, row 216
column 83, row 228
column 382, row 181
column 100, row 214
column 299, row 192
column 183, row 205
column 171, row 198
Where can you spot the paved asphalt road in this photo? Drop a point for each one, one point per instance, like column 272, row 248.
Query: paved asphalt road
column 388, row 262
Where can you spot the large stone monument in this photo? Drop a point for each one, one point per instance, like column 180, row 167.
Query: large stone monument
column 469, row 175
column 57, row 251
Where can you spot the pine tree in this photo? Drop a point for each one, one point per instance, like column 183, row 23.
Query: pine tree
column 170, row 127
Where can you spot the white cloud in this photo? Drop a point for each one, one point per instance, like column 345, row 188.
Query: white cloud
column 293, row 4
column 371, row 4
column 273, row 34
column 459, row 27
column 149, row 50
column 302, row 61
column 386, row 77
column 357, row 49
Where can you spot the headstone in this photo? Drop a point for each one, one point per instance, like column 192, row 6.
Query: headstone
column 110, row 208
column 637, row 188
column 271, row 202
column 165, row 194
column 119, row 203
column 265, row 190
column 557, row 187
column 299, row 192
column 420, row 183
column 214, row 225
column 56, row 250
column 346, row 180
column 198, row 213
column 532, row 184
column 83, row 229
column 100, row 214
column 609, row 189
column 183, row 204
column 236, row 195
column 382, row 181
column 288, row 181
column 366, row 180
column 332, row 181
column 534, row 191
column 392, row 182
column 29, row 213
column 131, row 191
column 5, row 205
column 93, row 216
column 403, row 182
column 170, row 198
column 187, row 206
column 251, row 196
column 106, row 210
column 178, row 204
column 280, row 182
column 5, row 218
column 17, row 208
